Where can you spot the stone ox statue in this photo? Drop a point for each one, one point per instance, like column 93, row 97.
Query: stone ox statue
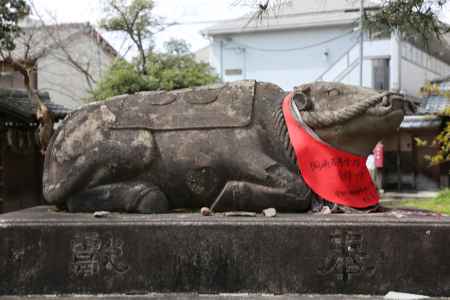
column 221, row 146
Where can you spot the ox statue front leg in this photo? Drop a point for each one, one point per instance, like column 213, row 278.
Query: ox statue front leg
column 283, row 190
column 130, row 197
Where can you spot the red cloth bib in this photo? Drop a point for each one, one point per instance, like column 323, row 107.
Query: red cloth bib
column 333, row 174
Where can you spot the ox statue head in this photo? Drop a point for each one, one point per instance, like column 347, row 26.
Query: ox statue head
column 348, row 117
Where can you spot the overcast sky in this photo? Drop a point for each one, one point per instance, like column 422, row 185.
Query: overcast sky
column 181, row 11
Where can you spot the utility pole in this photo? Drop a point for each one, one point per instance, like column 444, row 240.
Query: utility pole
column 361, row 44
column 221, row 60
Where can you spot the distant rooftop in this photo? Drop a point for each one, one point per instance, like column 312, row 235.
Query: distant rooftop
column 433, row 105
column 47, row 36
column 421, row 122
column 427, row 115
column 295, row 14
column 18, row 104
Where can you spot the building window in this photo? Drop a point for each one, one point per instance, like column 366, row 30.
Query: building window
column 380, row 67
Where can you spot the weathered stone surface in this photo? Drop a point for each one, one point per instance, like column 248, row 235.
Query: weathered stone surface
column 225, row 147
column 45, row 252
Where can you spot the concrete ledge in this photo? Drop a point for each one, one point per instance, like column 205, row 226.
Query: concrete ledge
column 208, row 297
column 391, row 196
column 45, row 252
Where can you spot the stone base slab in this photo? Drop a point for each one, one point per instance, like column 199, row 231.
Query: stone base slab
column 48, row 252
column 212, row 297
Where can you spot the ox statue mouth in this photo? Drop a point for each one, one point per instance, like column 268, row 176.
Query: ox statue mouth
column 391, row 103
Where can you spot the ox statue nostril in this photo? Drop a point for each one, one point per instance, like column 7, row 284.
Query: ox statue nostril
column 410, row 107
column 386, row 101
column 398, row 102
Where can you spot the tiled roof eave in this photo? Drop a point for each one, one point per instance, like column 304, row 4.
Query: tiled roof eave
column 421, row 122
column 16, row 103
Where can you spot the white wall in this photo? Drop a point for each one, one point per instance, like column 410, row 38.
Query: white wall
column 414, row 77
column 285, row 68
column 65, row 84
column 291, row 68
column 353, row 76
column 346, row 70
column 417, row 67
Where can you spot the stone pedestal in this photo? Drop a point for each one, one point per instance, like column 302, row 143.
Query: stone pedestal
column 46, row 252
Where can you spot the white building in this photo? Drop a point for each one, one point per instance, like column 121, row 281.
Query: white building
column 62, row 80
column 311, row 40
column 70, row 59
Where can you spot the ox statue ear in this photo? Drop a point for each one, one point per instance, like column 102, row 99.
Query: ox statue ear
column 302, row 99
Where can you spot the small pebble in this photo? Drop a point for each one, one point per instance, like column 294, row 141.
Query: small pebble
column 269, row 212
column 101, row 214
column 404, row 296
column 325, row 210
column 205, row 211
column 398, row 215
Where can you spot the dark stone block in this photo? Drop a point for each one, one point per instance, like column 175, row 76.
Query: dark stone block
column 45, row 252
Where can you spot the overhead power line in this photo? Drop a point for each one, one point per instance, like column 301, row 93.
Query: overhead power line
column 195, row 22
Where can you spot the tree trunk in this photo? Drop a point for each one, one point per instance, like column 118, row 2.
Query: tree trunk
column 43, row 116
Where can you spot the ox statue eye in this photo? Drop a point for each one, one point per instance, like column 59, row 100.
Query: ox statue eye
column 302, row 101
column 334, row 92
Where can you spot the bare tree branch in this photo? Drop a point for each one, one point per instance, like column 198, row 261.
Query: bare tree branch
column 62, row 44
column 38, row 41
column 262, row 9
column 26, row 68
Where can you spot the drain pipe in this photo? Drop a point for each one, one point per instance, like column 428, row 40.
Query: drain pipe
column 396, row 62
column 361, row 44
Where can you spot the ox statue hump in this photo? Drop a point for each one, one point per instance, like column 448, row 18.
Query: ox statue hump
column 224, row 146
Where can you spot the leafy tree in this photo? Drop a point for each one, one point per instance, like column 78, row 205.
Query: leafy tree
column 136, row 20
column 442, row 140
column 413, row 18
column 122, row 77
column 177, row 47
column 175, row 68
column 171, row 72
column 11, row 11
